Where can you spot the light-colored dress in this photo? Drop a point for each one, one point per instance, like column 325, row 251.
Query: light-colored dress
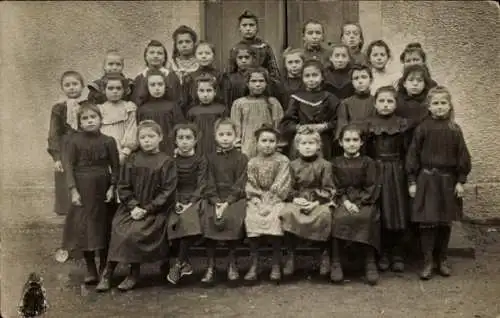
column 384, row 78
column 249, row 113
column 119, row 122
column 269, row 179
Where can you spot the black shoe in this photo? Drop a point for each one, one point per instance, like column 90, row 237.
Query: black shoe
column 383, row 263
column 398, row 264
column 371, row 272
column 209, row 277
column 336, row 273
column 426, row 272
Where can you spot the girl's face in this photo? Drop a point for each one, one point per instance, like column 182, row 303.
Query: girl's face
column 414, row 83
column 412, row 58
column 257, row 84
column 340, row 58
column 113, row 64
column 90, row 121
column 72, row 87
column 293, row 64
column 351, row 36
column 185, row 140
column 308, row 146
column 225, row 136
column 149, row 140
column 267, row 143
column 204, row 55
column 379, row 57
column 114, row 90
column 155, row 56
column 313, row 34
column 312, row 77
column 248, row 28
column 243, row 59
column 385, row 104
column 351, row 142
column 439, row 105
column 206, row 92
column 156, row 86
column 184, row 44
column 361, row 80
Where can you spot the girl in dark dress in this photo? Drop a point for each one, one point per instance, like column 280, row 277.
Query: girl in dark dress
column 225, row 214
column 291, row 81
column 147, row 196
column 312, row 107
column 184, row 226
column 387, row 144
column 313, row 34
column 156, row 57
column 337, row 73
column 438, row 163
column 92, row 167
column 206, row 113
column 183, row 58
column 351, row 35
column 234, row 81
column 356, row 219
column 161, row 108
column 113, row 64
column 414, row 54
column 63, row 124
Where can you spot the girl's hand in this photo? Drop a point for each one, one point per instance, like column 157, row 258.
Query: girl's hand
column 122, row 157
column 412, row 190
column 255, row 200
column 58, row 167
column 179, row 208
column 137, row 213
column 110, row 194
column 220, row 208
column 76, row 199
column 459, row 190
column 351, row 207
column 300, row 201
column 237, row 143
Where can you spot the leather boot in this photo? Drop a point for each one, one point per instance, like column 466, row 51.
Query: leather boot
column 252, row 272
column 92, row 276
column 336, row 273
column 324, row 265
column 371, row 270
column 289, row 267
column 441, row 249
column 427, row 238
column 105, row 282
column 275, row 274
column 383, row 262
column 209, row 277
column 131, row 280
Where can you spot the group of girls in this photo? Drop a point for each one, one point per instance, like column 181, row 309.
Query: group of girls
column 335, row 151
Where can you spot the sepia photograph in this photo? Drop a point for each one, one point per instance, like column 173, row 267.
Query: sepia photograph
column 250, row 158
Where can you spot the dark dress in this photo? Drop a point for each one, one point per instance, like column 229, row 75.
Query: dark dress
column 356, row 180
column 338, row 82
column 227, row 177
column 97, row 93
column 312, row 180
column 437, row 159
column 89, row 159
column 265, row 55
column 234, row 86
column 286, row 87
column 320, row 53
column 166, row 114
column 148, row 181
column 191, row 183
column 355, row 110
column 205, row 116
column 189, row 94
column 308, row 107
column 412, row 108
column 140, row 93
column 386, row 144
column 59, row 134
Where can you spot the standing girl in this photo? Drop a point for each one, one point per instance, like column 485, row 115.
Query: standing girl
column 291, row 81
column 387, row 145
column 147, row 196
column 313, row 34
column 308, row 216
column 119, row 116
column 224, row 217
column 255, row 109
column 183, row 59
column 156, row 57
column 184, row 225
column 312, row 107
column 161, row 109
column 206, row 113
column 268, row 185
column 356, row 219
column 379, row 54
column 337, row 74
column 414, row 54
column 92, row 169
column 63, row 124
column 437, row 164
column 351, row 35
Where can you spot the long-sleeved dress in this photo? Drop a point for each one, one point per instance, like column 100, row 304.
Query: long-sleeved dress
column 148, row 181
column 270, row 181
column 319, row 53
column 119, row 121
column 356, row 180
column 205, row 116
column 140, row 93
column 387, row 144
column 191, row 184
column 355, row 110
column 312, row 180
column 412, row 108
column 437, row 159
column 166, row 114
column 311, row 107
column 90, row 155
column 288, row 86
column 249, row 114
column 60, row 132
column 265, row 55
column 338, row 82
column 227, row 177
column 233, row 86
column 97, row 93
